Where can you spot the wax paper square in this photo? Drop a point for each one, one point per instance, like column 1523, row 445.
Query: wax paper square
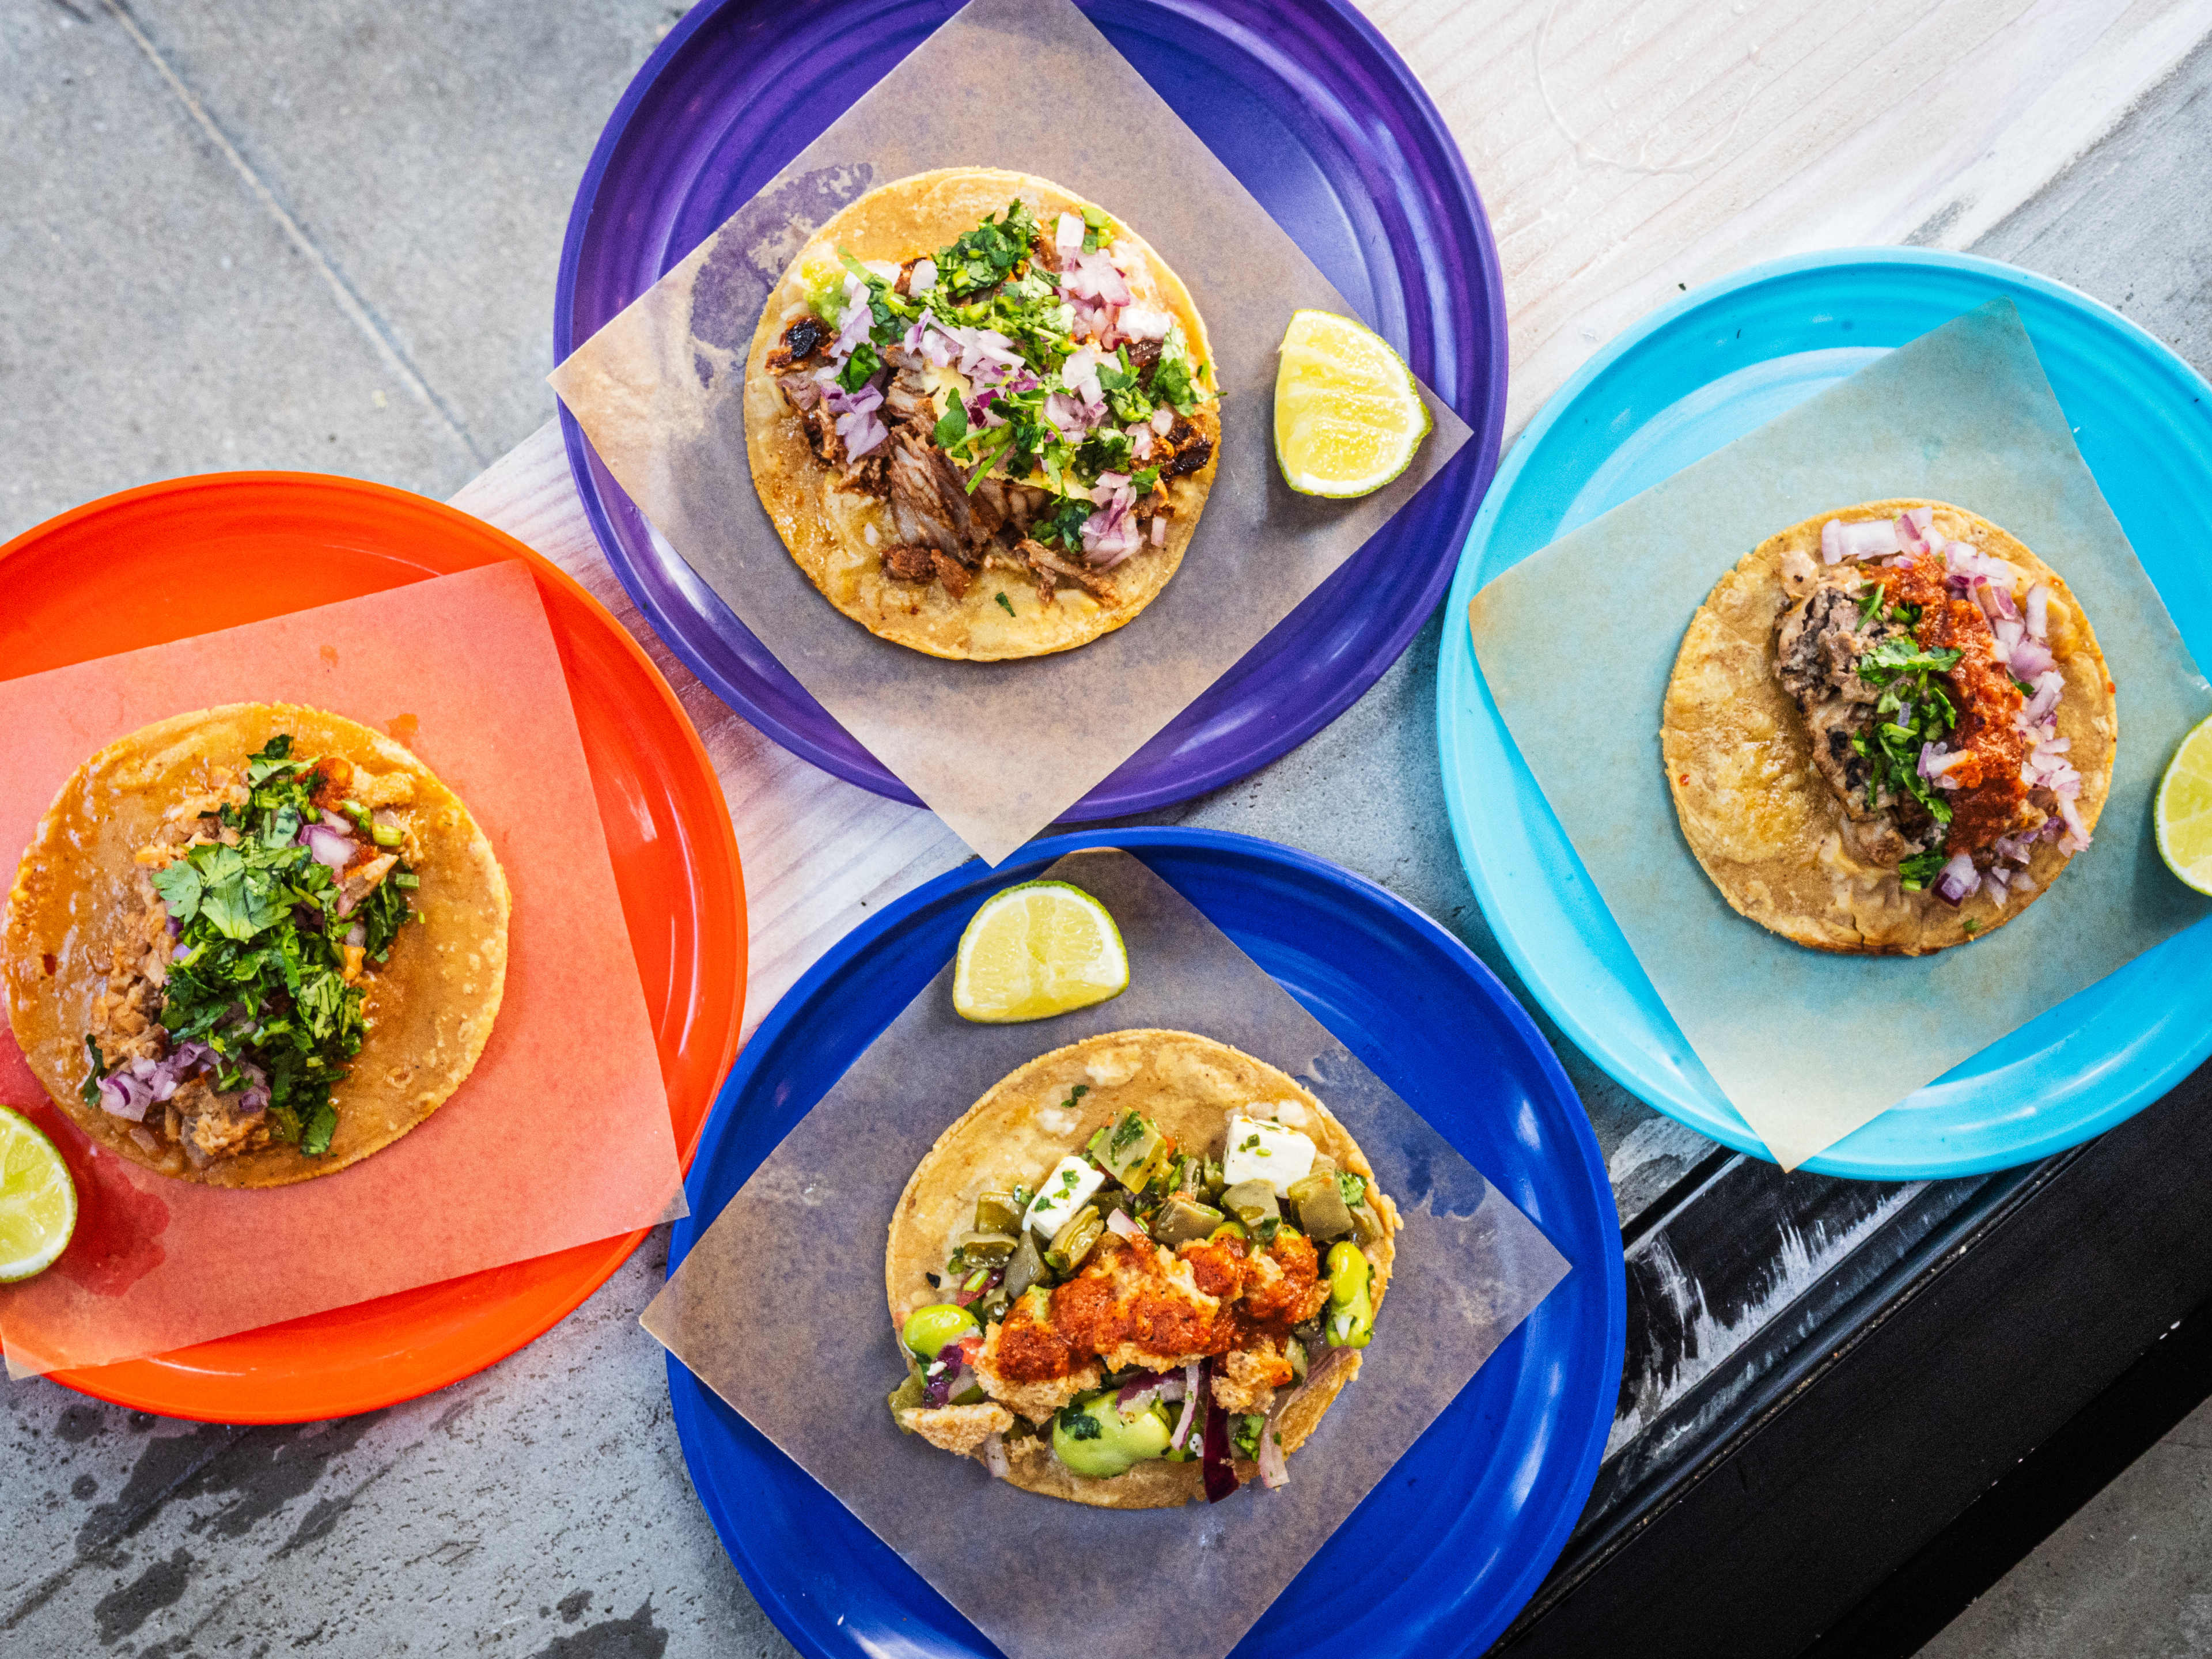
column 670, row 423
column 561, row 1134
column 1809, row 1045
column 812, row 1220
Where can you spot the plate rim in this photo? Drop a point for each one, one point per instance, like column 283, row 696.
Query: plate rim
column 689, row 1396
column 1097, row 803
column 1618, row 1060
column 144, row 1383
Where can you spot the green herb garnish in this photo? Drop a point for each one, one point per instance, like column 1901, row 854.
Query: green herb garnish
column 1005, row 603
column 260, row 974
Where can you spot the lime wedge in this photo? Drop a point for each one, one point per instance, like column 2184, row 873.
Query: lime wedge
column 37, row 1200
column 1035, row 951
column 2182, row 810
column 1348, row 416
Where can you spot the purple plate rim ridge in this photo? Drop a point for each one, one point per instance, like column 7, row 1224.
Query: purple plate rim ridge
column 1455, row 328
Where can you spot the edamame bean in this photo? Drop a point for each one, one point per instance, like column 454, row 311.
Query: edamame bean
column 929, row 1329
column 1351, row 1322
column 1093, row 1438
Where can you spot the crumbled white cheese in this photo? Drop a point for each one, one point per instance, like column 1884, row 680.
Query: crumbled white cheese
column 1261, row 1151
column 1066, row 1190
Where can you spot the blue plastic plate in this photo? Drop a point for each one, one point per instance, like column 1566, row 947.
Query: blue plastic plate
column 1698, row 375
column 1445, row 1551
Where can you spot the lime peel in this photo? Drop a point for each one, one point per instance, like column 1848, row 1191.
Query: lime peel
column 1349, row 415
column 2182, row 812
column 1035, row 950
column 37, row 1200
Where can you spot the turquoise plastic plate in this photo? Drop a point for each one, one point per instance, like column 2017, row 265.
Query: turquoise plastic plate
column 1698, row 375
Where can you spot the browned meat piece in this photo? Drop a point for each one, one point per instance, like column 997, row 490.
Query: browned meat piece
column 1052, row 568
column 928, row 504
column 1000, row 504
column 909, row 563
column 1044, row 252
column 1144, row 357
column 801, row 341
column 821, row 429
column 869, row 476
column 950, row 571
column 1192, row 449
column 210, row 1126
column 906, row 397
column 800, row 391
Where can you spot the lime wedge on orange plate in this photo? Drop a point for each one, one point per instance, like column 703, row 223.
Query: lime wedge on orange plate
column 37, row 1200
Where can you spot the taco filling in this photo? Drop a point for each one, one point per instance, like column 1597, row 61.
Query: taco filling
column 271, row 900
column 1018, row 399
column 1924, row 671
column 1147, row 1302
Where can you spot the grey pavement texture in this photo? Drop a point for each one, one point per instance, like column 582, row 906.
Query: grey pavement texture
column 306, row 234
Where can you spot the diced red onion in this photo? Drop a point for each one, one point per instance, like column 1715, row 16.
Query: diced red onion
column 1993, row 885
column 1093, row 277
column 180, row 953
column 1119, row 1223
column 804, row 394
column 2049, row 685
column 1957, row 879
column 1159, row 532
column 1193, row 1390
column 328, row 846
column 2039, row 613
column 1067, row 234
column 2012, row 847
column 995, row 1456
column 1272, row 1472
column 1913, row 529
column 1138, row 1391
column 2032, row 658
column 1872, row 538
column 1163, row 420
column 2008, row 631
column 2077, row 829
column 1996, row 600
column 357, row 935
column 1141, row 440
column 922, row 277
column 855, row 322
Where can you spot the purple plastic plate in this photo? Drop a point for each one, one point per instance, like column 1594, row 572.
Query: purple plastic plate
column 1302, row 100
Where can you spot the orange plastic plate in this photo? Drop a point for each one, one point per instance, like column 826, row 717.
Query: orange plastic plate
column 185, row 557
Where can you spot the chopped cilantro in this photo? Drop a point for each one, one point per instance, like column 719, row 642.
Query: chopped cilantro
column 260, row 976
column 90, row 1093
column 987, row 255
column 1005, row 603
column 1917, row 872
column 1973, row 925
column 1351, row 1189
column 859, row 367
column 1074, row 1095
